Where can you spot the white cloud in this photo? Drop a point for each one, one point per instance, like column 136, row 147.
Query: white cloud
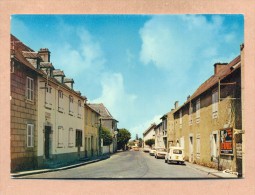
column 114, row 96
column 139, row 129
column 176, row 43
column 87, row 56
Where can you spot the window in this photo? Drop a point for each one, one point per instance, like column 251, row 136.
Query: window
column 190, row 114
column 30, row 89
column 215, row 104
column 78, row 139
column 30, row 135
column 60, row 136
column 70, row 105
column 198, row 146
column 60, row 101
column 180, row 115
column 71, row 137
column 198, row 111
column 48, row 96
column 79, row 108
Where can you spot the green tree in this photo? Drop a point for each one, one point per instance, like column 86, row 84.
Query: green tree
column 123, row 137
column 140, row 142
column 106, row 135
column 150, row 142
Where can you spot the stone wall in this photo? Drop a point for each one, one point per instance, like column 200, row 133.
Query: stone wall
column 23, row 112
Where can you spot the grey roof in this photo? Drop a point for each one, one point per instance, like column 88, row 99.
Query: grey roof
column 58, row 72
column 30, row 54
column 68, row 80
column 104, row 112
column 46, row 65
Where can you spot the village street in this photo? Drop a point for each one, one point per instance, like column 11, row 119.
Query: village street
column 128, row 164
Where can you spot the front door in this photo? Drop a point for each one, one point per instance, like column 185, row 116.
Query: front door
column 47, row 143
column 191, row 148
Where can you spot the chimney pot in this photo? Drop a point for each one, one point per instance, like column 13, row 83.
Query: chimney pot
column 218, row 67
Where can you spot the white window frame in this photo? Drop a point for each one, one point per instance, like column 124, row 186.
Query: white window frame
column 71, row 137
column 79, row 108
column 71, row 105
column 60, row 101
column 30, row 89
column 198, row 110
column 215, row 100
column 198, row 146
column 48, row 96
column 60, row 136
column 30, row 135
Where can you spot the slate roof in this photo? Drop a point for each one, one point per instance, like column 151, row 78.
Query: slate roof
column 214, row 79
column 19, row 50
column 104, row 112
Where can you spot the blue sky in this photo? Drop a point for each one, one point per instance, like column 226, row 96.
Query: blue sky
column 137, row 65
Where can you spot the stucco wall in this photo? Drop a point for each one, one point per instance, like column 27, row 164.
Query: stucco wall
column 52, row 117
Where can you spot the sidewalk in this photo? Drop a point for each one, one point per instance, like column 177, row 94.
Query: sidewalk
column 31, row 172
column 219, row 174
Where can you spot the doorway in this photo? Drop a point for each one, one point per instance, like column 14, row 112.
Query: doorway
column 191, row 148
column 47, row 142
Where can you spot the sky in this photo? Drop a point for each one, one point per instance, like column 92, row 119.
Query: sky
column 136, row 65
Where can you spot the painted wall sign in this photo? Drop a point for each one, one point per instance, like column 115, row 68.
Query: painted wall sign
column 226, row 141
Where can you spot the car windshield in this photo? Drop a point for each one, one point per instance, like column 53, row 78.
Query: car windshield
column 162, row 149
column 176, row 151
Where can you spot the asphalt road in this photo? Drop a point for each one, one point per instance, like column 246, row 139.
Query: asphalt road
column 128, row 164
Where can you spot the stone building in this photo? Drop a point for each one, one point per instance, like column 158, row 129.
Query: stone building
column 170, row 127
column 159, row 140
column 207, row 124
column 47, row 115
column 107, row 120
column 92, row 124
column 149, row 134
column 24, row 111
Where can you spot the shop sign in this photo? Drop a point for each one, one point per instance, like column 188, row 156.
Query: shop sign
column 226, row 141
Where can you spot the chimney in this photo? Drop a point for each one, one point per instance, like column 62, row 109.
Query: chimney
column 188, row 97
column 176, row 104
column 59, row 75
column 69, row 82
column 45, row 54
column 218, row 67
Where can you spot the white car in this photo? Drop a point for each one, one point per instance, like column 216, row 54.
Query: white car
column 175, row 154
column 152, row 151
column 146, row 149
column 160, row 153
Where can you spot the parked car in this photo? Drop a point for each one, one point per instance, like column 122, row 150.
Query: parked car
column 136, row 148
column 152, row 151
column 175, row 154
column 146, row 149
column 160, row 153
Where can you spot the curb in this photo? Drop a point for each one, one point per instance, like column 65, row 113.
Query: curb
column 212, row 171
column 16, row 175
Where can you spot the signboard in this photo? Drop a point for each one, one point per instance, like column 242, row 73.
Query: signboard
column 226, row 141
